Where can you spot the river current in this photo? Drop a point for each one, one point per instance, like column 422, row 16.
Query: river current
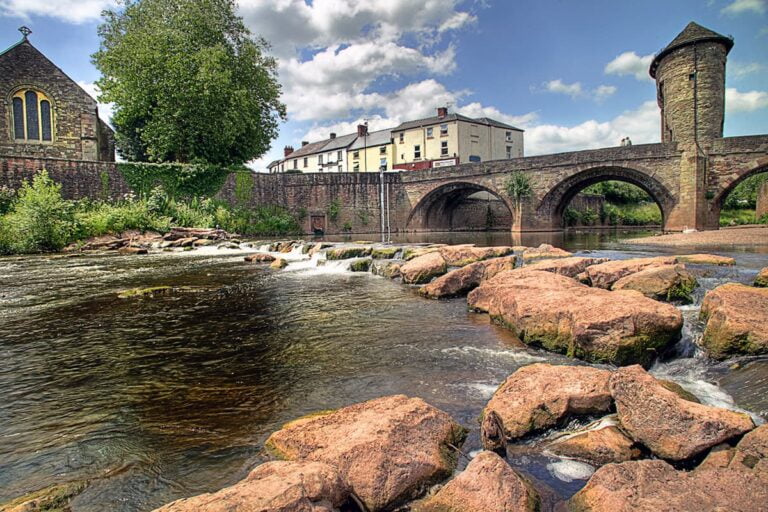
column 152, row 400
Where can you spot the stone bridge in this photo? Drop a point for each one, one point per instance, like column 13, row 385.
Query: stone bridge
column 689, row 184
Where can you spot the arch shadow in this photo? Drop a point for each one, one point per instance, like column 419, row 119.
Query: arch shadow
column 445, row 209
column 554, row 203
column 716, row 204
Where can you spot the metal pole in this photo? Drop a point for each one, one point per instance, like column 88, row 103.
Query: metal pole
column 381, row 201
column 389, row 228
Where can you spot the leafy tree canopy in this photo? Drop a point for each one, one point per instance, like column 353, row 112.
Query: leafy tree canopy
column 189, row 82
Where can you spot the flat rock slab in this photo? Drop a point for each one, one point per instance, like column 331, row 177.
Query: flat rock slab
column 605, row 274
column 345, row 253
column 422, row 269
column 389, row 450
column 259, row 257
column 540, row 396
column 274, row 487
column 461, row 255
column 462, row 280
column 737, row 321
column 706, row 259
column 671, row 427
column 570, row 267
column 544, row 251
column 655, row 486
column 671, row 283
column 488, row 484
column 598, row 446
column 563, row 315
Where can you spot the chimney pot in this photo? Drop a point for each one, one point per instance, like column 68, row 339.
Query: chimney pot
column 362, row 130
column 333, row 135
column 304, row 143
column 287, row 150
column 442, row 112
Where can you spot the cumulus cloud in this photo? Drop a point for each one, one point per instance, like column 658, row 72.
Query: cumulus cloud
column 630, row 63
column 72, row 11
column 741, row 6
column 736, row 101
column 604, row 91
column 742, row 69
column 575, row 90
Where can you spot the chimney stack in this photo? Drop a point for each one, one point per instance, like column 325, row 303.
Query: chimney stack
column 442, row 112
column 333, row 135
column 287, row 150
column 304, row 143
column 362, row 130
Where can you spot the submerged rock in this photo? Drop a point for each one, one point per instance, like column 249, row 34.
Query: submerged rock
column 55, row 498
column 601, row 445
column 605, row 274
column 345, row 253
column 153, row 291
column 671, row 283
column 278, row 263
column 461, row 255
column 570, row 267
column 389, row 450
column 761, row 280
column 488, row 484
column 655, row 486
column 671, row 427
column 562, row 315
column 540, row 396
column 362, row 265
column 423, row 268
column 544, row 251
column 260, row 257
column 388, row 269
column 737, row 321
column 318, row 247
column 706, row 259
column 126, row 251
column 274, row 487
column 462, row 280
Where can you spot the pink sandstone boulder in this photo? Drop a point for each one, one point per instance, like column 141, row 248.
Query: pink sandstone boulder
column 762, row 278
column 274, row 487
column 410, row 253
column 671, row 427
column 461, row 255
column 655, row 486
column 260, row 257
column 671, row 283
column 706, row 259
column 540, row 396
column 389, row 450
column 750, row 455
column 737, row 321
column 570, row 267
column 488, row 484
column 423, row 268
column 544, row 251
column 603, row 444
column 563, row 315
column 278, row 264
column 605, row 274
column 462, row 280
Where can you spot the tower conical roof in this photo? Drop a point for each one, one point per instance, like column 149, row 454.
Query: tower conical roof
column 692, row 33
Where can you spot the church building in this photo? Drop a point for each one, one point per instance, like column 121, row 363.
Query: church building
column 46, row 114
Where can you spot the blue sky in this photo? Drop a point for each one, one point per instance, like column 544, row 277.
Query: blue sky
column 572, row 73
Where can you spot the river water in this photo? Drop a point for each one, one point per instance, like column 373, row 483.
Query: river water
column 152, row 400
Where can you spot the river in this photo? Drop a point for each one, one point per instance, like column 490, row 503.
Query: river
column 152, row 400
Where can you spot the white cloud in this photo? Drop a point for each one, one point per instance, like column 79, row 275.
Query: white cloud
column 630, row 63
column 559, row 87
column 604, row 91
column 736, row 101
column 72, row 11
column 641, row 125
column 742, row 69
column 105, row 109
column 741, row 6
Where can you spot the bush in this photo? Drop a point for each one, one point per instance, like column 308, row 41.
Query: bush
column 39, row 219
column 96, row 219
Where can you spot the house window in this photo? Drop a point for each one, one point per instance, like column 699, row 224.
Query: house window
column 443, row 130
column 416, row 152
column 509, row 136
column 509, row 151
column 356, row 167
column 356, row 155
column 338, row 156
column 320, row 159
column 339, row 168
column 383, row 150
column 32, row 116
column 306, row 162
column 429, row 133
column 383, row 164
column 295, row 164
column 473, row 130
column 402, row 137
column 444, row 148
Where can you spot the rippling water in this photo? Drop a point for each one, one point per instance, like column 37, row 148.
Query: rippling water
column 157, row 399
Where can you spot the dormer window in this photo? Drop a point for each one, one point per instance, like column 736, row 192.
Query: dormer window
column 32, row 116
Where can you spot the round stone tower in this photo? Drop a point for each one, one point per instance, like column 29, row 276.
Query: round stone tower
column 690, row 85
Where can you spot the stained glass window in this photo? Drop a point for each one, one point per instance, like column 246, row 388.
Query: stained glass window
column 45, row 119
column 33, row 120
column 18, row 118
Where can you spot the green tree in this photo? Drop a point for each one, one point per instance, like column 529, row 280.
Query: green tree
column 189, row 82
column 518, row 187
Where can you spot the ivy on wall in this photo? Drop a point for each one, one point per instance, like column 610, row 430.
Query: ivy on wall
column 243, row 187
column 177, row 180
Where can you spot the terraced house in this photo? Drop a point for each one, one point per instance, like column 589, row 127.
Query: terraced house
column 439, row 141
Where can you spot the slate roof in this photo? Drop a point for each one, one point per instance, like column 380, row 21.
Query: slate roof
column 374, row 139
column 430, row 121
column 309, row 149
column 339, row 142
column 692, row 33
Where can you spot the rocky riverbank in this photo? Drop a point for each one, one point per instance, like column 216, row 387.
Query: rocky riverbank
column 742, row 236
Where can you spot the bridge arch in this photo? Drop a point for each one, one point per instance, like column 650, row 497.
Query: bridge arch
column 552, row 206
column 446, row 207
column 716, row 205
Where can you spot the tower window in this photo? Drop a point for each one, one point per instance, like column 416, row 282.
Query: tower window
column 32, row 116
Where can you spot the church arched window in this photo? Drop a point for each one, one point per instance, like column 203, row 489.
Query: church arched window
column 32, row 116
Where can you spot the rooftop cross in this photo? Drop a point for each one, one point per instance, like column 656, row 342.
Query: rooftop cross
column 25, row 31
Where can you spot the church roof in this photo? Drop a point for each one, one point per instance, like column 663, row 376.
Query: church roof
column 693, row 33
